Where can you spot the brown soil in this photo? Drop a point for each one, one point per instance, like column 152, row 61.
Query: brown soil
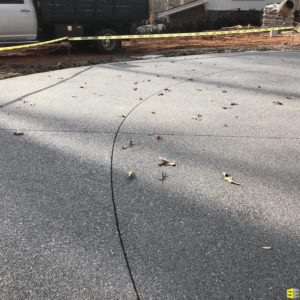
column 19, row 62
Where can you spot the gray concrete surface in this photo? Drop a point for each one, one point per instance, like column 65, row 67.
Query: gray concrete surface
column 66, row 199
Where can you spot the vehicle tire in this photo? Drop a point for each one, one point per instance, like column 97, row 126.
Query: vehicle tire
column 106, row 46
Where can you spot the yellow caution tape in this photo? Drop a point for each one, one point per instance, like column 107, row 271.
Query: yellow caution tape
column 148, row 36
column 33, row 45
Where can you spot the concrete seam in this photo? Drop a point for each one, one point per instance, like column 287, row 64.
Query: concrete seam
column 112, row 185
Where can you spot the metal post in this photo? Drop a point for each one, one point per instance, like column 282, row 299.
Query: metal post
column 69, row 50
column 293, row 39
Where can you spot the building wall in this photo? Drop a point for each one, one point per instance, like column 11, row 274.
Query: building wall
column 217, row 9
column 241, row 4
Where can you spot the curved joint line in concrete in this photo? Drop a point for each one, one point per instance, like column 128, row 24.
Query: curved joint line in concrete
column 112, row 155
column 112, row 187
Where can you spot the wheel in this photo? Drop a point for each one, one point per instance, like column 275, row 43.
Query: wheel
column 106, row 46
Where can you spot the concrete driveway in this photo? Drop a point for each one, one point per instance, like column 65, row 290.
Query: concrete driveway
column 75, row 226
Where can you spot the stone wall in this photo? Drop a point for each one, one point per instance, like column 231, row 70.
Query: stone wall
column 212, row 20
column 188, row 14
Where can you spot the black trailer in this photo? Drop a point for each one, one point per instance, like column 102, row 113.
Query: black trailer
column 75, row 18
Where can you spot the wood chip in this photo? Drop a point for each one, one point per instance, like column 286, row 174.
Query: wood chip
column 122, row 116
column 278, row 102
column 159, row 137
column 228, row 178
column 289, row 97
column 18, row 133
column 197, row 117
column 130, row 174
column 129, row 144
column 163, row 175
column 165, row 162
column 234, row 103
column 134, row 89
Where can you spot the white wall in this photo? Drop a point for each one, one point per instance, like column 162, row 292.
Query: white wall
column 234, row 4
column 242, row 4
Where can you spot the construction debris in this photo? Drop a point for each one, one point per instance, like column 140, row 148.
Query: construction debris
column 272, row 19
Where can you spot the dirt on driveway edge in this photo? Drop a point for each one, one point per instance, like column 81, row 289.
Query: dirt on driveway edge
column 21, row 70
